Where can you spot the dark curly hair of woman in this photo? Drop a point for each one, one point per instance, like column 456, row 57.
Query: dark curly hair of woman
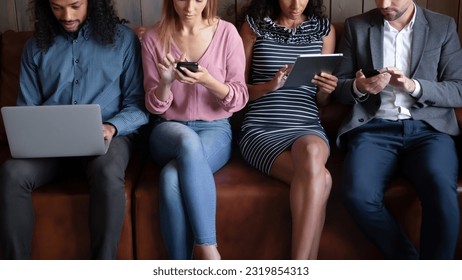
column 101, row 16
column 259, row 9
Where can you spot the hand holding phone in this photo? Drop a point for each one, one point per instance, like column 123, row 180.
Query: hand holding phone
column 191, row 66
column 370, row 72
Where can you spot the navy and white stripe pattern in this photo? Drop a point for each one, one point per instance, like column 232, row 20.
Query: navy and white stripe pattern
column 274, row 121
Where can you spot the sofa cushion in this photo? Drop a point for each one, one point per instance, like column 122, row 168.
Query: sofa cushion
column 11, row 47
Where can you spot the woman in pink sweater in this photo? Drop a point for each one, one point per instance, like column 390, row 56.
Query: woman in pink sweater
column 192, row 137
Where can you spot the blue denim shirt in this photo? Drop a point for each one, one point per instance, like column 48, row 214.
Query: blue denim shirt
column 81, row 70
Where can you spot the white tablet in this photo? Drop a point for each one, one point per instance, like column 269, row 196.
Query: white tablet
column 308, row 65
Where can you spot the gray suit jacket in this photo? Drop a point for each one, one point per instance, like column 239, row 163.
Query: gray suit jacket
column 436, row 63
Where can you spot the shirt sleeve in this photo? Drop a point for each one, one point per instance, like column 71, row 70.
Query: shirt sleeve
column 133, row 113
column 29, row 81
column 235, row 79
column 149, row 49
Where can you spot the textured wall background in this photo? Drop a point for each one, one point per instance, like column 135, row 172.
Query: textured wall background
column 14, row 14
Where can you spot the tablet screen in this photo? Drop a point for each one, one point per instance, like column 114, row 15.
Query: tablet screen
column 308, row 65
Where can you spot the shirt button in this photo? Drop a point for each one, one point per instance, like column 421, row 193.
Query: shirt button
column 75, row 102
column 76, row 82
column 76, row 61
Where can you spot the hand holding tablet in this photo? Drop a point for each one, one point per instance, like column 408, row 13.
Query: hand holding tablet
column 307, row 66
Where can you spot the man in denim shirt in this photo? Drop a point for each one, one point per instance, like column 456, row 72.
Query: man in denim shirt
column 80, row 54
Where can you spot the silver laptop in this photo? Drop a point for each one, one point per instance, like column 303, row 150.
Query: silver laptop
column 54, row 130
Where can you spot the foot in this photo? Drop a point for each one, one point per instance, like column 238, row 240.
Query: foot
column 206, row 252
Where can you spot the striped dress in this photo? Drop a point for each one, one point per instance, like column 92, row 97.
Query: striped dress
column 274, row 121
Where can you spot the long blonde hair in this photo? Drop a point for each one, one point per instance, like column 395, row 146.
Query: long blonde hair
column 168, row 23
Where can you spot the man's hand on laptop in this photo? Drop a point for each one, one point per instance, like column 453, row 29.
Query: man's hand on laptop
column 108, row 131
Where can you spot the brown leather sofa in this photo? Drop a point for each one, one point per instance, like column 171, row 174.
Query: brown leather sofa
column 253, row 215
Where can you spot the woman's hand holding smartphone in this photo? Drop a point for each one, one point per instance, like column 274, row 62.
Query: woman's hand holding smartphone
column 191, row 66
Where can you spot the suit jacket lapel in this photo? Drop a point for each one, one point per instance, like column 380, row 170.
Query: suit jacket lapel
column 419, row 39
column 376, row 40
column 376, row 43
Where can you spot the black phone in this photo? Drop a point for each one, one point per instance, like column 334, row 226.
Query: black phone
column 370, row 72
column 191, row 66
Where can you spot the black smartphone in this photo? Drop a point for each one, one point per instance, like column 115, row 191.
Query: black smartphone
column 370, row 72
column 191, row 66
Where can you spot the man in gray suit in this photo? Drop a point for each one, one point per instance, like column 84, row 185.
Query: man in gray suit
column 402, row 121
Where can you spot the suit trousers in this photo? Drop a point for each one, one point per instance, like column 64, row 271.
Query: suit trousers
column 106, row 177
column 380, row 149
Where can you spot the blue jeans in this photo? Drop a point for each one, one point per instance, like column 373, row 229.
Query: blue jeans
column 428, row 159
column 190, row 152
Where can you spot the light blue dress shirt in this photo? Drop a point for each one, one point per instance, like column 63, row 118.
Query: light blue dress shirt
column 81, row 70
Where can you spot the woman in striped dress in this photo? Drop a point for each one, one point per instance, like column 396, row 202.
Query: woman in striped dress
column 281, row 134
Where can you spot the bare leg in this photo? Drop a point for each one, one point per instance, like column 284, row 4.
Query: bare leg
column 303, row 167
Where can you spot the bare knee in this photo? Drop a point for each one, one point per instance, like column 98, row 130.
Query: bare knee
column 310, row 155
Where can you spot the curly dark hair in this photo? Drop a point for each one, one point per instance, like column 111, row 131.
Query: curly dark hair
column 102, row 18
column 259, row 9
